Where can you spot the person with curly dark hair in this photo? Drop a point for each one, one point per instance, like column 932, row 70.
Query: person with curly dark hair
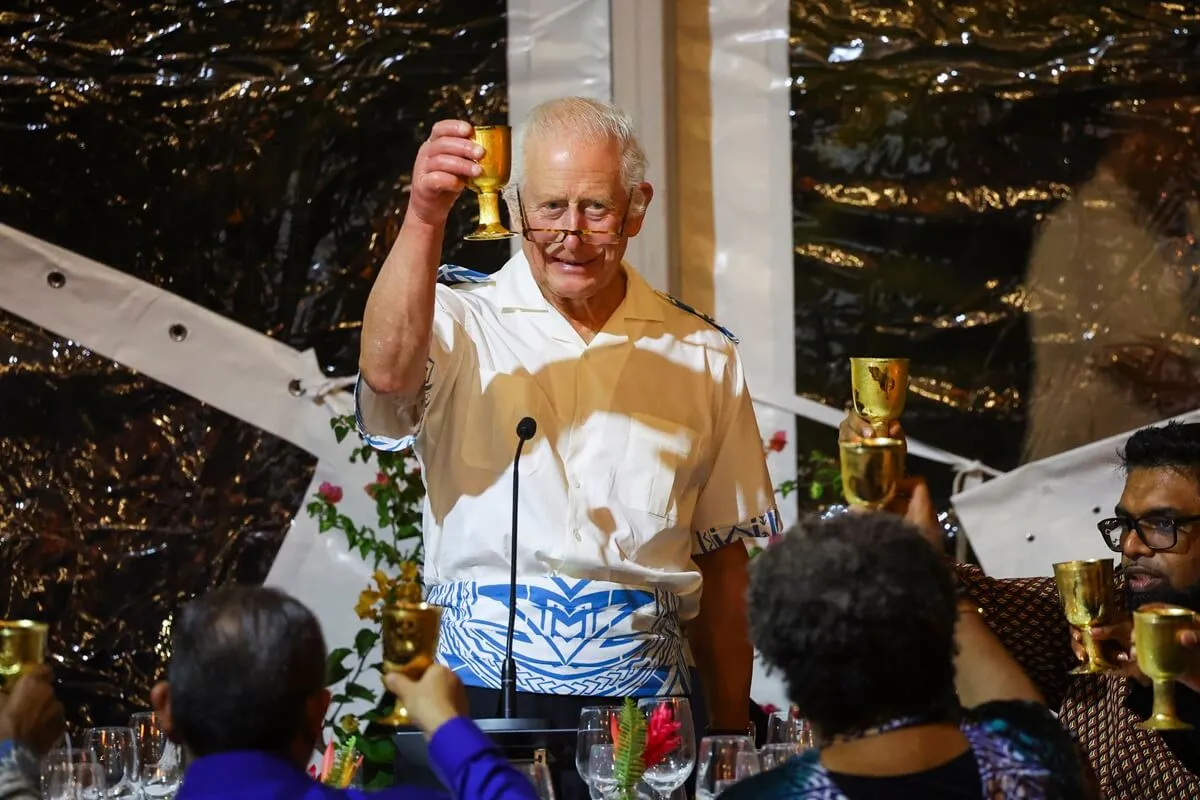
column 861, row 616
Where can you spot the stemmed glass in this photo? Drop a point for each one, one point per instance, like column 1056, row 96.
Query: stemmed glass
column 115, row 751
column 601, row 771
column 717, row 764
column 160, row 759
column 595, row 727
column 667, row 775
column 788, row 727
column 539, row 775
column 71, row 775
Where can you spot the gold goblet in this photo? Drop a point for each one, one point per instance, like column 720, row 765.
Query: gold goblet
column 880, row 386
column 496, row 141
column 1086, row 591
column 871, row 469
column 1163, row 659
column 410, row 640
column 22, row 645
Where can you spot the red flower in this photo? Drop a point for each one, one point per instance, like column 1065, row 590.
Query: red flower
column 330, row 493
column 382, row 479
column 777, row 442
column 662, row 735
column 769, row 708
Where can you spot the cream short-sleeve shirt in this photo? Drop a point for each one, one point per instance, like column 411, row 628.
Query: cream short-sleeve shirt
column 647, row 452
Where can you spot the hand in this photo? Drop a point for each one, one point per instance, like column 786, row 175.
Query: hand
column 854, row 428
column 433, row 700
column 32, row 714
column 1116, row 642
column 444, row 163
column 912, row 501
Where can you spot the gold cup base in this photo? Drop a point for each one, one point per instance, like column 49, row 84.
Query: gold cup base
column 489, row 233
column 1092, row 668
column 398, row 718
column 1163, row 722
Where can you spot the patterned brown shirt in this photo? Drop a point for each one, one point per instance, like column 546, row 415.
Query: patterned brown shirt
column 1130, row 764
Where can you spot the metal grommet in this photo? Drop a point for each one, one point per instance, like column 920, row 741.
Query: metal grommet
column 296, row 388
column 1029, row 537
column 56, row 279
column 177, row 332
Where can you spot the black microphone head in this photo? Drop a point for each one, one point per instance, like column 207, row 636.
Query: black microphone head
column 526, row 428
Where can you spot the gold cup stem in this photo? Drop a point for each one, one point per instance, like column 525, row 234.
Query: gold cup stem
column 1095, row 662
column 490, row 226
column 1162, row 714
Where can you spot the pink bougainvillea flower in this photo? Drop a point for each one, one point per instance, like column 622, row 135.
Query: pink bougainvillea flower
column 330, row 493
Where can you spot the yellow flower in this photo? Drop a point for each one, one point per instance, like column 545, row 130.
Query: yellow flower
column 382, row 581
column 408, row 572
column 365, row 608
column 349, row 724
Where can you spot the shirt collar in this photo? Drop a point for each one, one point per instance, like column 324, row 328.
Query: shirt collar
column 516, row 290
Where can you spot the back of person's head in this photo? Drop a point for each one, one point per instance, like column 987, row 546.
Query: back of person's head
column 858, row 613
column 246, row 665
column 1175, row 445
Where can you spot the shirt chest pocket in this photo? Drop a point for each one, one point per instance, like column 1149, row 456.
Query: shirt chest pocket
column 656, row 473
column 498, row 401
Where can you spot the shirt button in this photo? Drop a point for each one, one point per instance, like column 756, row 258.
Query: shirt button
column 578, row 537
column 575, row 484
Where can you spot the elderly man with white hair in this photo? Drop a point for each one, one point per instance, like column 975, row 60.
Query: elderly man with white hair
column 647, row 468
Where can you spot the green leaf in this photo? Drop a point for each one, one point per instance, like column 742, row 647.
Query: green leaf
column 377, row 750
column 364, row 640
column 629, row 765
column 335, row 670
column 360, row 692
column 339, row 698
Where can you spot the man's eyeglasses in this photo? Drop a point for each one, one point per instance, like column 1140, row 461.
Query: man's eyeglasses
column 559, row 235
column 1156, row 532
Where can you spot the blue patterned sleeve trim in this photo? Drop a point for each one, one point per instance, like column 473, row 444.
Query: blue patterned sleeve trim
column 19, row 772
column 763, row 526
column 388, row 443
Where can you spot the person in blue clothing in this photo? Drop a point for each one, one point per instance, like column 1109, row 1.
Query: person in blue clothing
column 245, row 695
column 860, row 614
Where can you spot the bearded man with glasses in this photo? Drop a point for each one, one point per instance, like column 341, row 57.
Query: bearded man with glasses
column 647, row 467
column 1156, row 529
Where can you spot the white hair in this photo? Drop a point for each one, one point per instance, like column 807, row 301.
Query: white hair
column 590, row 119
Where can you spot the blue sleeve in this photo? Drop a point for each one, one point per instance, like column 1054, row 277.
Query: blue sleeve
column 472, row 767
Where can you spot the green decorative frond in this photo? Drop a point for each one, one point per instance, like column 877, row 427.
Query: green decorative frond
column 629, row 765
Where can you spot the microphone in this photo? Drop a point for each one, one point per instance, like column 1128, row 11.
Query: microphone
column 526, row 429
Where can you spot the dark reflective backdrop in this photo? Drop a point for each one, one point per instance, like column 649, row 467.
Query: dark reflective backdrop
column 1006, row 193
column 251, row 157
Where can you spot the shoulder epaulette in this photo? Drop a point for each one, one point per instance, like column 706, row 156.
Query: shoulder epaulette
column 675, row 301
column 453, row 275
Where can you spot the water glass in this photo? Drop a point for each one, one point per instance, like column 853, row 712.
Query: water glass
column 788, row 727
column 747, row 765
column 667, row 775
column 71, row 775
column 595, row 727
column 717, row 764
column 117, row 755
column 160, row 759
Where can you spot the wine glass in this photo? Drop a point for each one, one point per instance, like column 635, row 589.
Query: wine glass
column 601, row 770
column 717, row 764
column 160, row 759
column 672, row 771
column 68, row 774
column 595, row 727
column 776, row 755
column 788, row 727
column 115, row 752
